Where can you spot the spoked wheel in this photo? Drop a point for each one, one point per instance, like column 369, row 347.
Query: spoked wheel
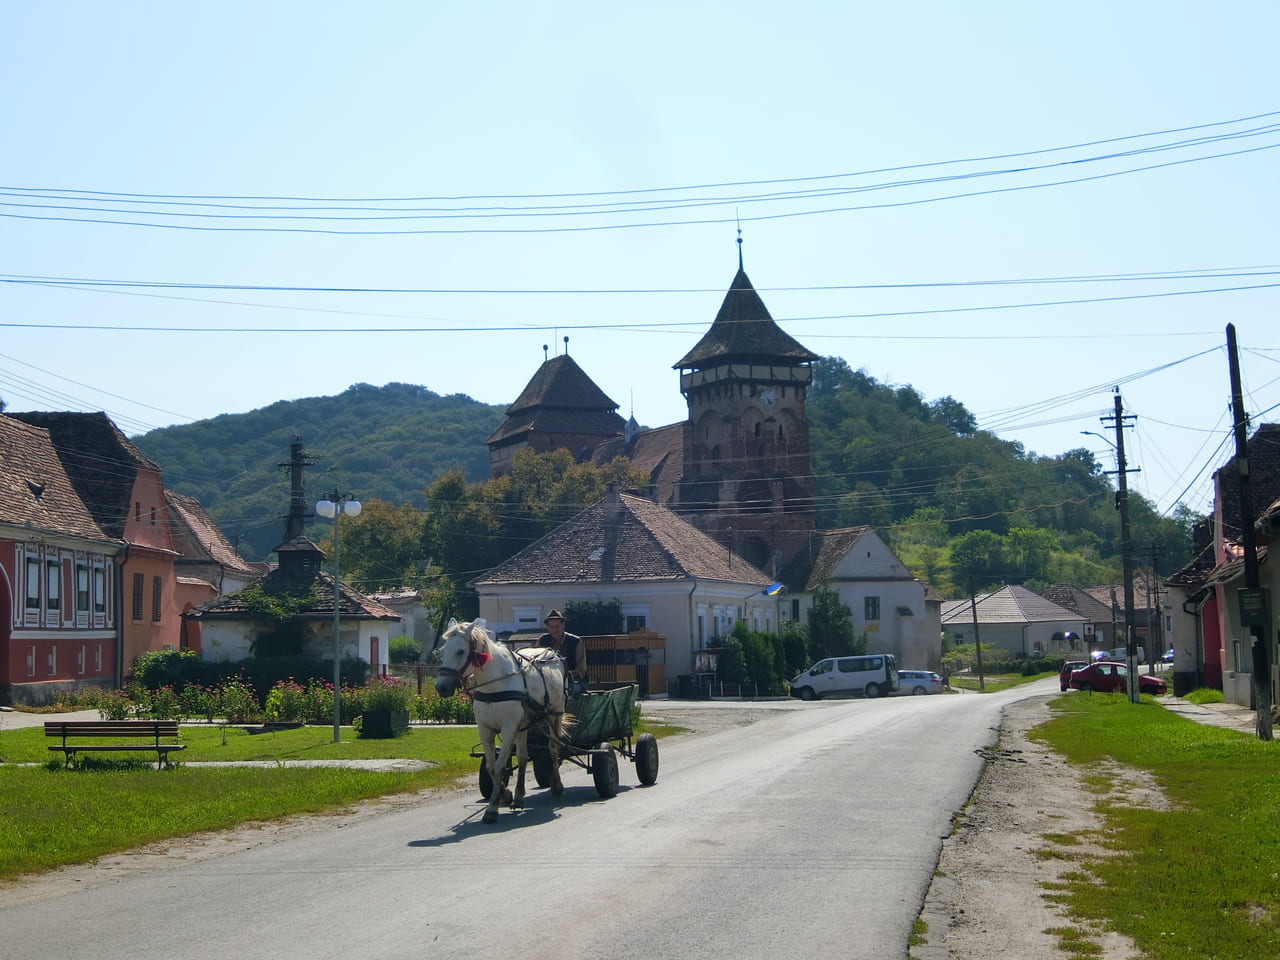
column 604, row 771
column 543, row 768
column 647, row 759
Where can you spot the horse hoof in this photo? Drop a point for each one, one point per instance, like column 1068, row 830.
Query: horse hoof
column 506, row 799
column 557, row 788
column 490, row 816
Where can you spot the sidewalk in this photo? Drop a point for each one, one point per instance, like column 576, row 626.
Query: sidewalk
column 1229, row 715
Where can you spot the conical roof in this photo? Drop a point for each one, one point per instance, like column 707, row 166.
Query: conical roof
column 744, row 331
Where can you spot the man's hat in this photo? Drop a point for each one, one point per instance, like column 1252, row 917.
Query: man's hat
column 553, row 615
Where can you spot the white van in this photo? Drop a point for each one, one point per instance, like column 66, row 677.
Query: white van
column 873, row 675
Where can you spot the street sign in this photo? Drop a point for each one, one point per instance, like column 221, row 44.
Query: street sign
column 1253, row 607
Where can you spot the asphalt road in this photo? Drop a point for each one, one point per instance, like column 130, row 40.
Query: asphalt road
column 814, row 830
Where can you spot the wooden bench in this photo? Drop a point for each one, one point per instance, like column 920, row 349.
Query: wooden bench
column 153, row 730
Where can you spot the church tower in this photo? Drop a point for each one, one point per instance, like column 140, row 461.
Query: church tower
column 747, row 476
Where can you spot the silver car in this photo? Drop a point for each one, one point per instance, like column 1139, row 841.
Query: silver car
column 918, row 683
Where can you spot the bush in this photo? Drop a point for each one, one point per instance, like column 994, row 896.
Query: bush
column 433, row 709
column 404, row 650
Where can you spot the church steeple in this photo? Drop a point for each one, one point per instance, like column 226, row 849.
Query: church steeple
column 747, row 478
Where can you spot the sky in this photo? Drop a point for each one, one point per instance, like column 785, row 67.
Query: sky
column 207, row 208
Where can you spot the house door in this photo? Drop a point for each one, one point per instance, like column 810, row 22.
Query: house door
column 373, row 655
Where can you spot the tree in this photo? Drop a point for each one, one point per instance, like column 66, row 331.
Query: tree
column 977, row 554
column 830, row 626
column 594, row 618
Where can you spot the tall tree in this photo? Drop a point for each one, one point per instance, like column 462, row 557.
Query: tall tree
column 830, row 626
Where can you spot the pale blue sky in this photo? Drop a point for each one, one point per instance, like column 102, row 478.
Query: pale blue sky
column 516, row 102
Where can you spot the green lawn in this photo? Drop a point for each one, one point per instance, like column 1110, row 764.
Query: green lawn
column 998, row 682
column 1199, row 881
column 51, row 815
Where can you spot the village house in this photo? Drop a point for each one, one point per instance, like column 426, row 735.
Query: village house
column 1013, row 619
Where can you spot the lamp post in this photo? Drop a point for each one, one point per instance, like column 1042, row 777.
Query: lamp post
column 333, row 507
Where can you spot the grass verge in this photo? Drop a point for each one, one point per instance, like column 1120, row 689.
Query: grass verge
column 1197, row 881
column 51, row 816
column 994, row 683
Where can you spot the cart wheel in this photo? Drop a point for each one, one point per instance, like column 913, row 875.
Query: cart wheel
column 604, row 771
column 543, row 768
column 486, row 781
column 647, row 759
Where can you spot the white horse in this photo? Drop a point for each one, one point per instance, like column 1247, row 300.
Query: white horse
column 511, row 690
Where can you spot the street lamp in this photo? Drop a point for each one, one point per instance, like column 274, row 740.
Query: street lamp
column 333, row 507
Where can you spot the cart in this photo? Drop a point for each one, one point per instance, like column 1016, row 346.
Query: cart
column 599, row 731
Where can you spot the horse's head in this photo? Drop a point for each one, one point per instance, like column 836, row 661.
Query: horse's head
column 465, row 649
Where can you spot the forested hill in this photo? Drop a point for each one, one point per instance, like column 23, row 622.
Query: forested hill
column 387, row 443
column 946, row 495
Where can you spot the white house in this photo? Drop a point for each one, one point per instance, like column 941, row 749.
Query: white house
column 670, row 578
column 897, row 613
column 1013, row 619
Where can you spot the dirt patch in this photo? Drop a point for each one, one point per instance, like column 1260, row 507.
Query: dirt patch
column 1029, row 821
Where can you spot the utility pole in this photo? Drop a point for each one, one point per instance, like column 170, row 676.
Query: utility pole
column 1126, row 548
column 1253, row 600
column 1155, row 621
column 977, row 637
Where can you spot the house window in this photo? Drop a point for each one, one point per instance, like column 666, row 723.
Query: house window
column 81, row 659
column 137, row 596
column 871, row 608
column 97, row 659
column 53, row 584
column 33, row 583
column 31, row 661
column 99, row 590
column 635, row 623
column 82, row 588
column 53, row 661
column 156, row 584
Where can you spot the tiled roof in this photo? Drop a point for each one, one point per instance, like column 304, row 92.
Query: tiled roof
column 1013, row 604
column 198, row 538
column 354, row 604
column 658, row 452
column 744, row 330
column 1075, row 599
column 829, row 548
column 34, row 487
column 101, row 462
column 560, row 399
column 1103, row 592
column 623, row 539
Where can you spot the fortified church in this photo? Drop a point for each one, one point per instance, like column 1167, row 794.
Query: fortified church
column 738, row 468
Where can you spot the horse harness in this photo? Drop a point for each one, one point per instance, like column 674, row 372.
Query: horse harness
column 533, row 710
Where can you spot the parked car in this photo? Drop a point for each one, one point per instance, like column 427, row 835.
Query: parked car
column 1167, row 656
column 918, row 682
column 875, row 675
column 1064, row 675
column 1107, row 676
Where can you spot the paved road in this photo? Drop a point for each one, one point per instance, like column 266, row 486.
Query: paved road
column 813, row 830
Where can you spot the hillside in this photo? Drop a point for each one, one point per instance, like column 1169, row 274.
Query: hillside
column 385, row 442
column 920, row 472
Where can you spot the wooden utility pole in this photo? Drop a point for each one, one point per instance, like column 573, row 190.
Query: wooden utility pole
column 1126, row 550
column 977, row 637
column 1253, row 601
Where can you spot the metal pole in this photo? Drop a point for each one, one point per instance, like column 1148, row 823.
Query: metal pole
column 337, row 625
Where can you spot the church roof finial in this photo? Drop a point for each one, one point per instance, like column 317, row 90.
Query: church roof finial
column 735, row 214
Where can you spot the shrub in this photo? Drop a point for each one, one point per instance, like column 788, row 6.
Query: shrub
column 115, row 705
column 238, row 702
column 163, row 704
column 287, row 702
column 385, row 693
column 433, row 709
column 404, row 650
column 195, row 701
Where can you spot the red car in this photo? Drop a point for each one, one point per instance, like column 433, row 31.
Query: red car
column 1107, row 676
column 1068, row 668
